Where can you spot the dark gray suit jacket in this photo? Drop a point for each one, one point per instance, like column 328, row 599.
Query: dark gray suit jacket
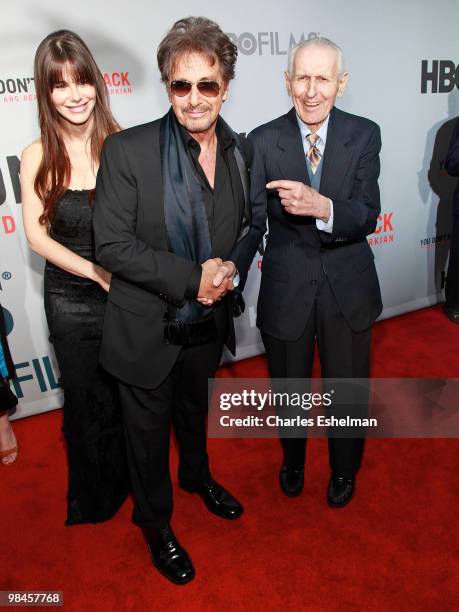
column 298, row 254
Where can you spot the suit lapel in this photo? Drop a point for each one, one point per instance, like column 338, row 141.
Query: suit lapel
column 154, row 179
column 243, row 173
column 337, row 155
column 292, row 160
column 241, row 163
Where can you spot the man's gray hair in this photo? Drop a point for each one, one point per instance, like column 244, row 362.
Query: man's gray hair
column 317, row 40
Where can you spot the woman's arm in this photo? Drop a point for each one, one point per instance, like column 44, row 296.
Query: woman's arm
column 37, row 234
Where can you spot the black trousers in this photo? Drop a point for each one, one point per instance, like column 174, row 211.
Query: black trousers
column 452, row 278
column 181, row 400
column 343, row 354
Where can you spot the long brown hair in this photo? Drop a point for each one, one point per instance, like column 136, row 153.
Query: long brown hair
column 59, row 50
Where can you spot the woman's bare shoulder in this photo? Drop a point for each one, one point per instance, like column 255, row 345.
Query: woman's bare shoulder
column 32, row 155
column 33, row 151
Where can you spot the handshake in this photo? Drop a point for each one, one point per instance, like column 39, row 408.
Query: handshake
column 216, row 280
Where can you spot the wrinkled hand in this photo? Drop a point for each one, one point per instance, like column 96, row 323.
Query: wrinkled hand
column 226, row 272
column 299, row 199
column 102, row 277
column 216, row 280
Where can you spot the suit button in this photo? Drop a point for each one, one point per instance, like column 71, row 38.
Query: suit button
column 313, row 282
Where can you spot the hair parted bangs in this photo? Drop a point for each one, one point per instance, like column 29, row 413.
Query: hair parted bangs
column 74, row 69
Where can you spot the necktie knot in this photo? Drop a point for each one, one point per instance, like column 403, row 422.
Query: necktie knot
column 313, row 153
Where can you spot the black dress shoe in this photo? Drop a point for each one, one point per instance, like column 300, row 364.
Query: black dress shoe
column 340, row 491
column 452, row 314
column 218, row 500
column 168, row 556
column 291, row 481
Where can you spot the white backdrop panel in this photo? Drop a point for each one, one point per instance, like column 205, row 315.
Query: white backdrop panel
column 384, row 45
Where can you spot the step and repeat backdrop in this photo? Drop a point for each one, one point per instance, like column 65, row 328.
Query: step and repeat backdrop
column 403, row 62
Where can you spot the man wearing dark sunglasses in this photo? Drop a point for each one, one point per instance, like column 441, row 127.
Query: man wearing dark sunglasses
column 171, row 212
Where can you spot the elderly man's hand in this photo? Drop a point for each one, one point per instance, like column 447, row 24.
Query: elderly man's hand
column 226, row 272
column 299, row 199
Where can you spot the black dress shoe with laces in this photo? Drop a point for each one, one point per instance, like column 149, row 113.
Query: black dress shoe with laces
column 340, row 491
column 291, row 481
column 218, row 500
column 168, row 556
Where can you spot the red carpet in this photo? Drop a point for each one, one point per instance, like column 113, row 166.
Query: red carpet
column 393, row 548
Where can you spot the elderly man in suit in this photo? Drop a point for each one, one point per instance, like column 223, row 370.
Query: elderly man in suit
column 315, row 177
column 452, row 279
column 171, row 209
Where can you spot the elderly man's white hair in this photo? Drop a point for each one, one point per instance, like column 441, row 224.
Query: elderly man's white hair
column 319, row 41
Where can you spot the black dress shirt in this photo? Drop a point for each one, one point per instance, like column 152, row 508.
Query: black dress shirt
column 224, row 202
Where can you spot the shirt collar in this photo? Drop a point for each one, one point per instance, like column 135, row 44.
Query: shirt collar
column 321, row 132
column 224, row 136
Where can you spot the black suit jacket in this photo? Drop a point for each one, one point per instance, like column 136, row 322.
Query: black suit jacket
column 297, row 253
column 452, row 164
column 131, row 243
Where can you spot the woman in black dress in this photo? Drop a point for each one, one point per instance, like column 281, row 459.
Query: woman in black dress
column 58, row 175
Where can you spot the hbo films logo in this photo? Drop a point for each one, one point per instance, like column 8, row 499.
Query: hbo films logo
column 266, row 43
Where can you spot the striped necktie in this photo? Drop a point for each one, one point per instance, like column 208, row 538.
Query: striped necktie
column 313, row 153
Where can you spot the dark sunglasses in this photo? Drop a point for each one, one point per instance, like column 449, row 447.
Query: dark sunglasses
column 210, row 89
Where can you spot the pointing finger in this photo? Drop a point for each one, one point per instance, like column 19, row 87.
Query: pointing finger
column 282, row 184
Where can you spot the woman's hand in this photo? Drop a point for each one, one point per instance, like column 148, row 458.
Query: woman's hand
column 102, row 277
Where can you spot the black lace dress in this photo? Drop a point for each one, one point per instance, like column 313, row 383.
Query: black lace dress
column 74, row 306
